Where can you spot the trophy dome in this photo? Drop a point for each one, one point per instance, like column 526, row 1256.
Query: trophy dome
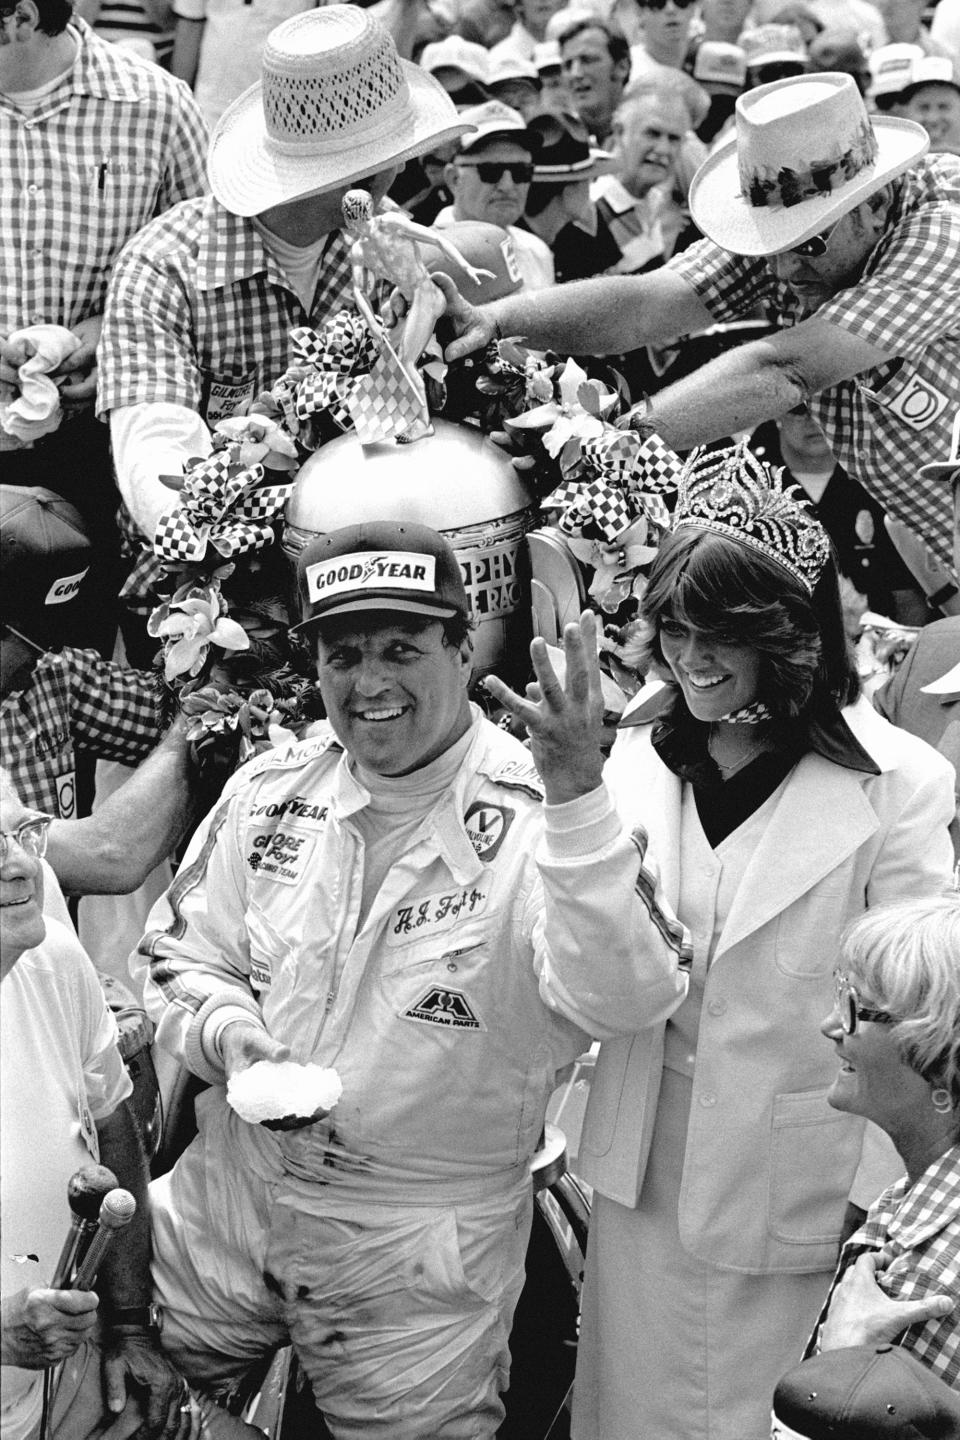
column 456, row 481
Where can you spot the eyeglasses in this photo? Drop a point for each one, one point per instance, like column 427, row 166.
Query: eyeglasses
column 851, row 1011
column 491, row 171
column 816, row 246
column 31, row 836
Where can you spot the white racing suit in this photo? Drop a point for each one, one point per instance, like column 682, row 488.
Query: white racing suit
column 387, row 1241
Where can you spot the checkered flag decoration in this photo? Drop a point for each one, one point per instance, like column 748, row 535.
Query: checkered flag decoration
column 385, row 405
column 626, row 478
column 221, row 504
column 328, row 365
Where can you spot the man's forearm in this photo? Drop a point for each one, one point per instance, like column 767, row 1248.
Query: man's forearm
column 113, row 850
column 603, row 316
column 735, row 392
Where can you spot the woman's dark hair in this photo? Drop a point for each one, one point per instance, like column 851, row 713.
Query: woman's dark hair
column 739, row 596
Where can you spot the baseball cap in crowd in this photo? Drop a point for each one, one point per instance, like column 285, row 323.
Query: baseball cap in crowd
column 720, row 68
column 388, row 565
column 45, row 551
column 773, row 45
column 547, row 57
column 564, row 153
column 804, row 153
column 461, row 66
column 335, row 104
column 932, row 70
column 515, row 81
column 865, row 1393
column 491, row 119
column 486, row 247
column 890, row 69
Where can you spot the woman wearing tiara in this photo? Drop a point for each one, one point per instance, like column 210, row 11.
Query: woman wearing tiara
column 778, row 805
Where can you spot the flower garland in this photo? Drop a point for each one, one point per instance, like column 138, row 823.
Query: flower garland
column 606, row 485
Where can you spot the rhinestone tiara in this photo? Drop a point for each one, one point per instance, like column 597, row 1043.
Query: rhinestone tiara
column 731, row 492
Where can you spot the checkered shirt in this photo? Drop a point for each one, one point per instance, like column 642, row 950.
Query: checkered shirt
column 199, row 313
column 115, row 143
column 76, row 701
column 915, row 1232
column 888, row 421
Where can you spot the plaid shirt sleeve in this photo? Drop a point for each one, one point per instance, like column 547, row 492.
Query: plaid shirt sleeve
column 149, row 314
column 115, row 711
column 729, row 285
column 915, row 1233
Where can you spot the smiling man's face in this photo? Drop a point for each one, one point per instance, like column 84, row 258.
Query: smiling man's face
column 394, row 691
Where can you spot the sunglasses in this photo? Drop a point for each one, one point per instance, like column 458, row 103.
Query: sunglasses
column 662, row 4
column 850, row 1010
column 31, row 836
column 817, row 245
column 491, row 171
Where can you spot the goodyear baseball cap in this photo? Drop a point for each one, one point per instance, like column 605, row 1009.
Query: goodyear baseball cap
column 391, row 565
column 45, row 551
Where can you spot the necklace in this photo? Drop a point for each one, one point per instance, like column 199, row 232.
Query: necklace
column 731, row 769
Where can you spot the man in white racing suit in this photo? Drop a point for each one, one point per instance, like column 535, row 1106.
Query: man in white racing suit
column 371, row 900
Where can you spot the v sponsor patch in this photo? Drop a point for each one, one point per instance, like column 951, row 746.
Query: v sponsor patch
column 487, row 827
column 439, row 1006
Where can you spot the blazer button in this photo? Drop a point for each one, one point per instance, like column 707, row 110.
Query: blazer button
column 708, row 1100
column 717, row 1007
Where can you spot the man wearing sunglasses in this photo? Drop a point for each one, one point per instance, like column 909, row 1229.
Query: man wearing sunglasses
column 847, row 236
column 489, row 179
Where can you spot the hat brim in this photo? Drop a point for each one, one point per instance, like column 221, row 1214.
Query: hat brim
column 248, row 176
column 721, row 211
column 387, row 602
column 599, row 162
column 940, row 470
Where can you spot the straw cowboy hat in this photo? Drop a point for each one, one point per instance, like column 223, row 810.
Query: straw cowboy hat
column 335, row 104
column 805, row 153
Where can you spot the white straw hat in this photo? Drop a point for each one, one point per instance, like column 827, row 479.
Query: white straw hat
column 334, row 105
column 804, row 154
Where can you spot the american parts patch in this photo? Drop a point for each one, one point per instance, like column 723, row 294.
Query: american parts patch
column 439, row 1006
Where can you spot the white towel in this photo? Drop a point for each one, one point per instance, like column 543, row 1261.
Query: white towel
column 36, row 410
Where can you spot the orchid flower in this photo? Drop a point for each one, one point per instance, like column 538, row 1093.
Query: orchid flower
column 188, row 625
column 576, row 416
column 615, row 566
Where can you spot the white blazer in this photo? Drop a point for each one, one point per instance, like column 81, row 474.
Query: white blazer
column 768, row 1164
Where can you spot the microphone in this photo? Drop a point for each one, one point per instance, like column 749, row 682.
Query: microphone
column 116, row 1211
column 85, row 1193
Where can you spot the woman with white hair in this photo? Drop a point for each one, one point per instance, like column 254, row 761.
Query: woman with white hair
column 896, row 1029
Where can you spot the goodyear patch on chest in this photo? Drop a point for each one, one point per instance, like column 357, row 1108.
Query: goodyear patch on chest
column 435, row 914
column 280, row 855
column 449, row 1008
column 486, row 826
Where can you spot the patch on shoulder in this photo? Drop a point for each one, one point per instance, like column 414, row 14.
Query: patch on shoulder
column 518, row 774
column 450, row 1008
column 486, row 826
column 293, row 753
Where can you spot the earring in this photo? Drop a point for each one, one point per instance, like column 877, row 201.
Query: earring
column 941, row 1100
